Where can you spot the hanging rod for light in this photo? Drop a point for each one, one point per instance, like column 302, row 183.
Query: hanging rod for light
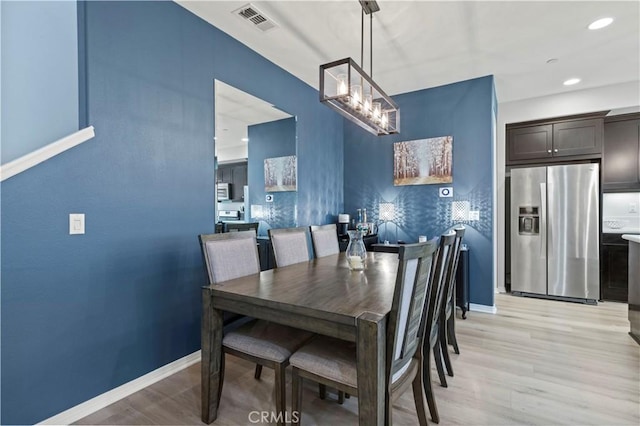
column 346, row 88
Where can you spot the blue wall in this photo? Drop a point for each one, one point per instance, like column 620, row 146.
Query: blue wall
column 462, row 110
column 269, row 140
column 81, row 315
column 39, row 75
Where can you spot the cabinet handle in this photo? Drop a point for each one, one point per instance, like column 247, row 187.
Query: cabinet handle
column 555, row 150
column 549, row 151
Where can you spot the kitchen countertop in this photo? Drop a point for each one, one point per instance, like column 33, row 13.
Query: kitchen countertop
column 632, row 238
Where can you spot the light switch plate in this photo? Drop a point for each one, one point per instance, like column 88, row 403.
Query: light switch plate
column 76, row 223
column 474, row 215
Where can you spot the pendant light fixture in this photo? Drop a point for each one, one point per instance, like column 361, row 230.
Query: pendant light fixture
column 346, row 88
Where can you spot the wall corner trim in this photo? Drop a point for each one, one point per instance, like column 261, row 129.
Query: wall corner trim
column 483, row 308
column 82, row 410
column 38, row 156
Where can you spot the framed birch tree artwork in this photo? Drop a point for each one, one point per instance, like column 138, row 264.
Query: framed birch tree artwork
column 423, row 161
column 280, row 174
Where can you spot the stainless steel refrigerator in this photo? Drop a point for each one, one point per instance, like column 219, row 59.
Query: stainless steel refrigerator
column 555, row 232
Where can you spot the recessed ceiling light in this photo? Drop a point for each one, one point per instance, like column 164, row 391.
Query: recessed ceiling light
column 571, row 81
column 600, row 23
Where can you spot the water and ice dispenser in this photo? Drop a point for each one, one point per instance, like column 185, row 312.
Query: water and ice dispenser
column 528, row 220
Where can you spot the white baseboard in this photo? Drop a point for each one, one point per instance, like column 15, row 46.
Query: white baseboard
column 483, row 308
column 76, row 413
column 38, row 156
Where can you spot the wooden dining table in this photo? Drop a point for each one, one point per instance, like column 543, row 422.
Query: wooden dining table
column 322, row 296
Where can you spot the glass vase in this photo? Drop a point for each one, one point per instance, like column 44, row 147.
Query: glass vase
column 356, row 252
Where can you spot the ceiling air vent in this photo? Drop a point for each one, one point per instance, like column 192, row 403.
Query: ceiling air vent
column 249, row 13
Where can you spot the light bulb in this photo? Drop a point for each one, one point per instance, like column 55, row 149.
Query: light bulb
column 342, row 85
column 356, row 96
column 385, row 120
column 367, row 105
column 376, row 111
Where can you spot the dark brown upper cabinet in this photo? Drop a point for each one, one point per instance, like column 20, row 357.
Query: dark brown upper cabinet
column 529, row 143
column 547, row 141
column 621, row 153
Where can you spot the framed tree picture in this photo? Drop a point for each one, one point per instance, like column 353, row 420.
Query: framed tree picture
column 280, row 174
column 423, row 161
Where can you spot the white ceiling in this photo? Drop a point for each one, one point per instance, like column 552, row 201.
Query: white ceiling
column 235, row 110
column 421, row 44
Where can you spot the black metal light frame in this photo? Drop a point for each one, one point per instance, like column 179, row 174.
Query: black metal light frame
column 342, row 103
column 346, row 88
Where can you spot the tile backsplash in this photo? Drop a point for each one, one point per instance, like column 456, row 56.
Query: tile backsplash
column 621, row 212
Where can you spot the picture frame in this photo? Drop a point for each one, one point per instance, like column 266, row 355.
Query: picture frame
column 280, row 174
column 423, row 161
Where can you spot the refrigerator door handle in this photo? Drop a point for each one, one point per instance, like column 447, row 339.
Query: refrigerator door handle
column 543, row 220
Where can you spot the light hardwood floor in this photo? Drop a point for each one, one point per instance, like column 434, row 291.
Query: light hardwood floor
column 535, row 362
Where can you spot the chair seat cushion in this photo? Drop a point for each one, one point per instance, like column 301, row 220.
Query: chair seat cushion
column 327, row 357
column 266, row 340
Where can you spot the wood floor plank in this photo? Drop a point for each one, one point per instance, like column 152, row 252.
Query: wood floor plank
column 535, row 362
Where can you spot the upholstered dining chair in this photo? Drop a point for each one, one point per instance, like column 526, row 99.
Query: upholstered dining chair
column 333, row 362
column 325, row 243
column 289, row 245
column 431, row 342
column 324, row 239
column 233, row 255
column 446, row 321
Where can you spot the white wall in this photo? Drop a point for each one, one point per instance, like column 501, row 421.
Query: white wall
column 613, row 97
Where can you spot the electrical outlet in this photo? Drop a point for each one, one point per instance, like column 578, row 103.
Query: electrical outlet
column 474, row 215
column 633, row 208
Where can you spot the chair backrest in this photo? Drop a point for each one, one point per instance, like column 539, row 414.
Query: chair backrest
column 324, row 239
column 289, row 245
column 450, row 278
column 236, row 227
column 230, row 255
column 404, row 332
column 438, row 281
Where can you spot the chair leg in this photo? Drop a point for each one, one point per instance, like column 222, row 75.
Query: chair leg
column 437, row 357
column 258, row 372
column 428, row 389
column 340, row 397
column 296, row 397
column 451, row 332
column 442, row 341
column 322, row 391
column 281, row 399
column 221, row 378
column 418, row 396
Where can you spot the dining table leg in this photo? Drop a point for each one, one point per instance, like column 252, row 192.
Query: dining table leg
column 373, row 398
column 211, row 342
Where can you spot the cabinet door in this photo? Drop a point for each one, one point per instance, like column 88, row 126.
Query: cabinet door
column 240, row 177
column 614, row 272
column 528, row 143
column 621, row 155
column 224, row 174
column 579, row 137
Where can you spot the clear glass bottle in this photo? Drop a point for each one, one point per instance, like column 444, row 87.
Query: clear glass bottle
column 356, row 252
